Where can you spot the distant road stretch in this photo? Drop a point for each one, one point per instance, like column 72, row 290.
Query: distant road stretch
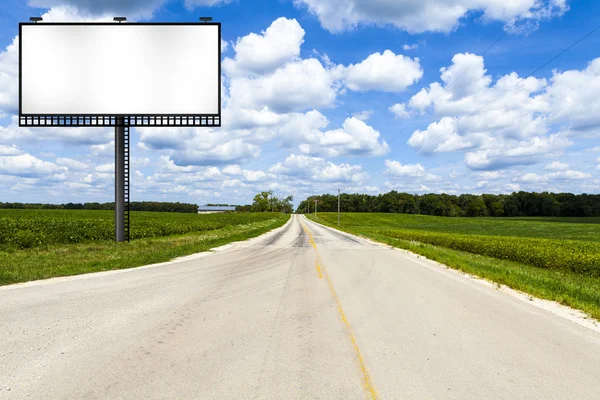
column 304, row 312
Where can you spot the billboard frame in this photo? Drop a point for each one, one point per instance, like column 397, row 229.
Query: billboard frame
column 111, row 120
column 120, row 122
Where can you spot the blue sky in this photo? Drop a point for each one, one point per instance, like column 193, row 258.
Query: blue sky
column 362, row 95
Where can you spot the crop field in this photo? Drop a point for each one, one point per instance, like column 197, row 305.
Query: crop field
column 34, row 228
column 544, row 243
column 552, row 258
column 40, row 244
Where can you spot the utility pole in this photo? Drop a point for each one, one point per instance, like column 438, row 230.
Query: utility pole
column 316, row 207
column 338, row 207
column 308, row 205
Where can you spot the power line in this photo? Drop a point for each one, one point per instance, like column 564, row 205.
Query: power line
column 516, row 84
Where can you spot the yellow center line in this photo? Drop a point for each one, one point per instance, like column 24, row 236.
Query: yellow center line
column 319, row 269
column 367, row 382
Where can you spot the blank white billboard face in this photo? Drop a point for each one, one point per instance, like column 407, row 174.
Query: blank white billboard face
column 120, row 69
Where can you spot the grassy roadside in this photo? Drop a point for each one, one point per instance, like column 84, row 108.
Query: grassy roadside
column 72, row 259
column 565, row 287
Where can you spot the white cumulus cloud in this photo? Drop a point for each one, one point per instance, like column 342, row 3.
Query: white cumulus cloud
column 427, row 15
column 385, row 71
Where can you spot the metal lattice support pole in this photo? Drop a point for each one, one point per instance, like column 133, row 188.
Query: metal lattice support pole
column 126, row 180
column 121, row 180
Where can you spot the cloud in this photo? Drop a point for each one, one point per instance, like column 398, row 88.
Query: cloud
column 233, row 183
column 258, row 54
column 385, row 71
column 248, row 175
column 507, row 122
column 106, row 168
column 11, row 150
column 568, row 175
column 26, row 165
column 395, row 169
column 9, row 78
column 363, row 115
column 204, row 194
column 355, row 137
column 224, row 46
column 510, row 106
column 267, row 80
column 498, row 154
column 319, row 170
column 564, row 175
column 232, row 170
column 72, row 164
column 340, row 173
column 198, row 146
column 103, row 150
column 235, row 150
column 489, row 175
column 254, row 176
column 302, row 128
column 573, row 98
column 407, row 47
column 441, row 136
column 427, row 15
column 77, row 10
column 557, row 166
column 158, row 138
column 512, row 187
column 399, row 110
column 72, row 13
column 72, row 135
column 530, row 178
column 297, row 86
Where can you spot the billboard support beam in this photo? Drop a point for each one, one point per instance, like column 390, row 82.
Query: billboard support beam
column 121, row 181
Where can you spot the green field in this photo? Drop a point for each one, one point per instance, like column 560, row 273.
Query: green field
column 552, row 258
column 39, row 244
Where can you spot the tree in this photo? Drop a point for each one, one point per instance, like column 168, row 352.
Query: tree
column 261, row 202
column 476, row 207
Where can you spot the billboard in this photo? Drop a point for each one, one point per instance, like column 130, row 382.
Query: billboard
column 149, row 72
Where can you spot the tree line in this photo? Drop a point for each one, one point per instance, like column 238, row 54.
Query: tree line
column 133, row 206
column 267, row 202
column 518, row 204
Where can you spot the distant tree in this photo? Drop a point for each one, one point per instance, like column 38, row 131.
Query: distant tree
column 496, row 209
column 476, row 207
column 512, row 205
column 261, row 202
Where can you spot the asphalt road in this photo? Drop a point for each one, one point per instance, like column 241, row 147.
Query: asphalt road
column 301, row 313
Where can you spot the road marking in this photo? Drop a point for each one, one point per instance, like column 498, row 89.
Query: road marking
column 367, row 383
column 319, row 269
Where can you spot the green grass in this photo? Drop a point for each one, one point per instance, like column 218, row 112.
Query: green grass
column 529, row 255
column 52, row 258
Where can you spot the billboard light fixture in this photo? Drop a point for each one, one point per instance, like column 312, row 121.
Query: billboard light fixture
column 36, row 19
column 120, row 19
column 205, row 19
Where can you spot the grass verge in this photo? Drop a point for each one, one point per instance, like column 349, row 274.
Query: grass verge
column 72, row 259
column 565, row 287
